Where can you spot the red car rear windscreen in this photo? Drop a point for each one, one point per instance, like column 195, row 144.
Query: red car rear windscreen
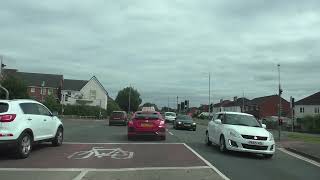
column 148, row 116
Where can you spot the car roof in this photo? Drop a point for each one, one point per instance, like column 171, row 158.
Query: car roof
column 19, row 101
column 148, row 112
column 238, row 113
column 170, row 112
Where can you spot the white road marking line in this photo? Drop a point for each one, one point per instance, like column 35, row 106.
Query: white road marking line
column 170, row 133
column 81, row 175
column 86, row 170
column 208, row 163
column 299, row 157
column 119, row 143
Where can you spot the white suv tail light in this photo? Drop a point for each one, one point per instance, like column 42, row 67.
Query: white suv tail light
column 7, row 117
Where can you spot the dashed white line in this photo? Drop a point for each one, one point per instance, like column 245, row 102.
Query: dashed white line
column 299, row 157
column 207, row 162
column 170, row 133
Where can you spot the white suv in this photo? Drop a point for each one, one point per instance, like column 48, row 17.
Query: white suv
column 23, row 122
column 240, row 132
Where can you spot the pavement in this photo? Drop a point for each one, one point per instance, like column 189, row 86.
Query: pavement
column 304, row 148
column 93, row 150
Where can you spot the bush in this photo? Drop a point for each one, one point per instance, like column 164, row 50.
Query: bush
column 310, row 123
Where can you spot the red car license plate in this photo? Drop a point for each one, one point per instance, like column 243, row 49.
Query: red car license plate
column 146, row 125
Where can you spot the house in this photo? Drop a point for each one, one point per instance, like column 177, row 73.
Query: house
column 308, row 106
column 237, row 105
column 39, row 85
column 83, row 92
column 267, row 106
column 219, row 107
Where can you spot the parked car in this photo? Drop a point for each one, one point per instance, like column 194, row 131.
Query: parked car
column 24, row 122
column 170, row 116
column 147, row 123
column 118, row 117
column 184, row 122
column 240, row 132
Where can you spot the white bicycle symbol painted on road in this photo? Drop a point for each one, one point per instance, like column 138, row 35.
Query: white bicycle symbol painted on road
column 100, row 152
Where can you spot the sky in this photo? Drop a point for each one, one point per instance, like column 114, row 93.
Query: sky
column 167, row 48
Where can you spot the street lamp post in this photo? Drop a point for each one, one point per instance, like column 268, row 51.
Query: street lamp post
column 129, row 99
column 209, row 104
column 279, row 108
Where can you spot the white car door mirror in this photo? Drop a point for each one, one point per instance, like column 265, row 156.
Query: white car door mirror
column 218, row 121
column 55, row 113
column 264, row 126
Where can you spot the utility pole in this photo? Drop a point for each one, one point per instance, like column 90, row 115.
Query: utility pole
column 1, row 76
column 209, row 105
column 168, row 104
column 129, row 99
column 279, row 110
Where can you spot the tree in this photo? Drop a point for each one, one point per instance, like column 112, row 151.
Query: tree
column 52, row 103
column 16, row 87
column 112, row 106
column 122, row 99
column 147, row 104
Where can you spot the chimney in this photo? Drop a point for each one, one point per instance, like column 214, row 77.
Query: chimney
column 235, row 98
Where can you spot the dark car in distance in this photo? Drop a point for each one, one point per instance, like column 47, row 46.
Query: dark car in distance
column 184, row 122
column 118, row 118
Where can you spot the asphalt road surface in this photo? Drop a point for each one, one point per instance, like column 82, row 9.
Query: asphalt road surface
column 94, row 150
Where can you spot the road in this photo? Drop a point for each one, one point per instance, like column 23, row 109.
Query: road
column 79, row 136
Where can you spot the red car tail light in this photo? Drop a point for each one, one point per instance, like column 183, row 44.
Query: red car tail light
column 162, row 123
column 7, row 117
column 6, row 135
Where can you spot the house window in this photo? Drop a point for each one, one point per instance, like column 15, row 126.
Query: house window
column 93, row 94
column 316, row 110
column 43, row 91
column 33, row 90
column 302, row 110
column 50, row 91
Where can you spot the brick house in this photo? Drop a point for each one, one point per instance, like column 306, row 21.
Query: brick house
column 237, row 105
column 267, row 106
column 39, row 85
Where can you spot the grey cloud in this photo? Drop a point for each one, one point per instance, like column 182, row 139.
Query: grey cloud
column 166, row 48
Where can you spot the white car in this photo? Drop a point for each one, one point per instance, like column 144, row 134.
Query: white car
column 239, row 132
column 23, row 122
column 170, row 116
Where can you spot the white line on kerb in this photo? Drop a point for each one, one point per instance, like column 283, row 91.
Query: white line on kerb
column 299, row 157
column 207, row 162
column 170, row 133
column 86, row 170
column 81, row 175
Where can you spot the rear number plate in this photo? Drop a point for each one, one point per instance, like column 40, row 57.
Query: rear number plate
column 255, row 143
column 146, row 125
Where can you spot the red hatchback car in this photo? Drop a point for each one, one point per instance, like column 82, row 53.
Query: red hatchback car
column 147, row 123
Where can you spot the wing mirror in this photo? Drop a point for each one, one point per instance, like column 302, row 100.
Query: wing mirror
column 55, row 113
column 264, row 126
column 218, row 121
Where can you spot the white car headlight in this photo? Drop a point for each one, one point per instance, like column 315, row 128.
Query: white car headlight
column 271, row 137
column 179, row 122
column 194, row 123
column 234, row 134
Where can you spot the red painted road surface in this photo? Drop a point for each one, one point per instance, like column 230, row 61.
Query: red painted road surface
column 106, row 156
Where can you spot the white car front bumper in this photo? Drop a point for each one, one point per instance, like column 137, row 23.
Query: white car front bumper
column 250, row 145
